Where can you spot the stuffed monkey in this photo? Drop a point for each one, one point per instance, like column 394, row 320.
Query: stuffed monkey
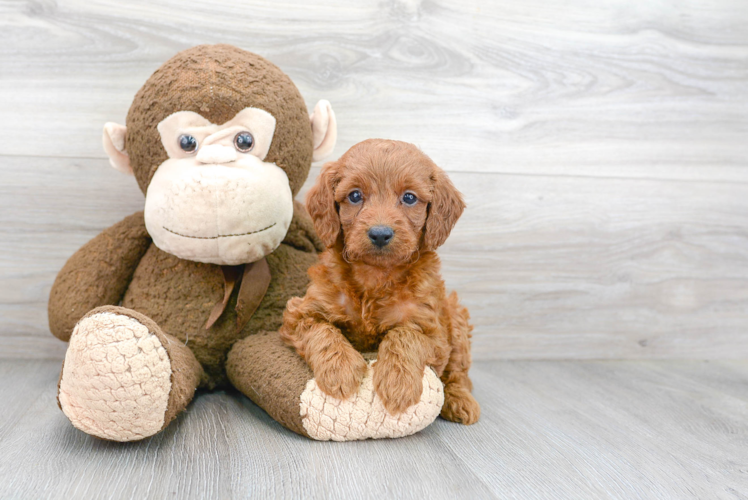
column 219, row 140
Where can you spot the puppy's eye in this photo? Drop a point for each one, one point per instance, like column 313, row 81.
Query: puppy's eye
column 187, row 143
column 410, row 199
column 355, row 197
column 244, row 141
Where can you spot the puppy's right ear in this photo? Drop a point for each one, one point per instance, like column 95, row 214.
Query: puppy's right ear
column 320, row 203
column 445, row 208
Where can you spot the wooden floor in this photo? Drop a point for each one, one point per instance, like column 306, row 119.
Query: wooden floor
column 549, row 429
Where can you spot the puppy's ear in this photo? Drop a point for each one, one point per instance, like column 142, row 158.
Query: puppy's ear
column 445, row 208
column 320, row 203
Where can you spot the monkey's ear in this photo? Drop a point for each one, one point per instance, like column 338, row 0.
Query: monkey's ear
column 324, row 129
column 320, row 203
column 445, row 208
column 114, row 145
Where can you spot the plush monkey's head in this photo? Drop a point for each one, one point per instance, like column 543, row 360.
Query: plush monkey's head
column 220, row 141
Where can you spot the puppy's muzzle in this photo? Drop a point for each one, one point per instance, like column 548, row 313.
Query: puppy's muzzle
column 381, row 236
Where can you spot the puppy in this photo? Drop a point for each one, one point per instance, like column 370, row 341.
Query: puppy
column 382, row 210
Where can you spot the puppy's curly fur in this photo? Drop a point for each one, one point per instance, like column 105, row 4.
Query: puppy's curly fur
column 388, row 297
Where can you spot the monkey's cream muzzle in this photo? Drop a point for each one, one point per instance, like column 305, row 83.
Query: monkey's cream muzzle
column 218, row 204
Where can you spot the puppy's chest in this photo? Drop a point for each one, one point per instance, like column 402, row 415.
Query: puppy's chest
column 366, row 320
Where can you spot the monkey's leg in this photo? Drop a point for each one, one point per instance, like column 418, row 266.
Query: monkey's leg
column 274, row 376
column 123, row 379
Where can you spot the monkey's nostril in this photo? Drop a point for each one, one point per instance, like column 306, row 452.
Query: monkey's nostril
column 380, row 235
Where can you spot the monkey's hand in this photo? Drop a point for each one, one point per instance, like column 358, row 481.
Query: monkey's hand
column 97, row 274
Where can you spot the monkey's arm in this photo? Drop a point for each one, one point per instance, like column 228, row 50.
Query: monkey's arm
column 97, row 274
column 301, row 234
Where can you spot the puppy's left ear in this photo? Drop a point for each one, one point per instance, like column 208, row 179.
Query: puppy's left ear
column 445, row 208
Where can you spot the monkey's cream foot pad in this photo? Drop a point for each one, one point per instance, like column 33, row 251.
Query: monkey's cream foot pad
column 116, row 379
column 362, row 416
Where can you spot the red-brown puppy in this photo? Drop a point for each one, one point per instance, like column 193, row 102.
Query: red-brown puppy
column 382, row 210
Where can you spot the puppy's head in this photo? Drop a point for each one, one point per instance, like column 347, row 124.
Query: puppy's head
column 383, row 201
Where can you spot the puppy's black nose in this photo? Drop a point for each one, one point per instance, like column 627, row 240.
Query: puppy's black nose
column 380, row 235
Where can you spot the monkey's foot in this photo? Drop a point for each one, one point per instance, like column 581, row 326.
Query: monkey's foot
column 363, row 415
column 116, row 382
column 275, row 377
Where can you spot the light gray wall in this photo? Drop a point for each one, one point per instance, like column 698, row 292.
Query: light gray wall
column 602, row 148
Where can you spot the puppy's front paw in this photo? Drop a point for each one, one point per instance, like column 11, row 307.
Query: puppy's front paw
column 460, row 406
column 398, row 384
column 341, row 374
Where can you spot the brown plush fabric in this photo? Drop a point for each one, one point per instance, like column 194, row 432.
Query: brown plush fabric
column 179, row 295
column 263, row 361
column 97, row 274
column 186, row 374
column 218, row 81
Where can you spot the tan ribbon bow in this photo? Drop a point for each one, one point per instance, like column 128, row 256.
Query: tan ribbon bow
column 253, row 280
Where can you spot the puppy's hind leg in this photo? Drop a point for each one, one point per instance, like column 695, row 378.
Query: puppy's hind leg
column 459, row 405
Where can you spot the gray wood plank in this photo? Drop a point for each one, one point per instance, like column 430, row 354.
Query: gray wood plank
column 610, row 429
column 549, row 429
column 550, row 267
column 615, row 89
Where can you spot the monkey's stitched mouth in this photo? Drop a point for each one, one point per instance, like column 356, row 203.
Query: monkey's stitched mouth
column 220, row 235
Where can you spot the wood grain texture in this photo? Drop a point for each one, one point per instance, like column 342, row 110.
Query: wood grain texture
column 550, row 267
column 577, row 430
column 601, row 147
column 611, row 88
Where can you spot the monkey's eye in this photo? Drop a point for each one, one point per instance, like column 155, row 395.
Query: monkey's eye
column 244, row 141
column 187, row 143
column 355, row 197
column 410, row 199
